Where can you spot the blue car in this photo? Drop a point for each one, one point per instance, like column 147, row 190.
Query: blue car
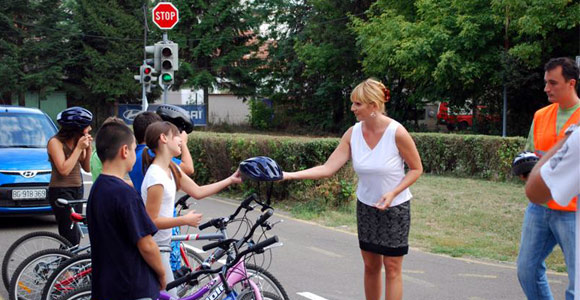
column 24, row 166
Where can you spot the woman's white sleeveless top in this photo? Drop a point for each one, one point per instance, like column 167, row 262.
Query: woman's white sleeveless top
column 380, row 169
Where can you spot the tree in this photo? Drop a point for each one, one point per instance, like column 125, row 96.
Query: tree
column 219, row 43
column 316, row 63
column 34, row 47
column 108, row 50
column 461, row 50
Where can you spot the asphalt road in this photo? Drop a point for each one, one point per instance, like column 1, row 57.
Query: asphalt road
column 318, row 263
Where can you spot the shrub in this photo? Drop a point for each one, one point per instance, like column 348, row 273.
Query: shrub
column 217, row 155
column 261, row 115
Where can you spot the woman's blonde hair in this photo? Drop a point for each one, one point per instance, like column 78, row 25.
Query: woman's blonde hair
column 371, row 91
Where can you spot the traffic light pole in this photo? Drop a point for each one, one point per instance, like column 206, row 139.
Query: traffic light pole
column 165, row 86
column 145, row 103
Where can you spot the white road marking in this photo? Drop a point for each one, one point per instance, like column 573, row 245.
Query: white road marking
column 311, row 296
column 418, row 281
column 325, row 252
column 414, row 271
column 478, row 276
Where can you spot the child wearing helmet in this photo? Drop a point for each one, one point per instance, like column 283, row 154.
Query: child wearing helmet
column 68, row 151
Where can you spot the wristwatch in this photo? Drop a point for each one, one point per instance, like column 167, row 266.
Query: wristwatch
column 570, row 129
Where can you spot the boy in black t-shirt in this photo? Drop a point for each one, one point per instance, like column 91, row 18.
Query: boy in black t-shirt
column 126, row 262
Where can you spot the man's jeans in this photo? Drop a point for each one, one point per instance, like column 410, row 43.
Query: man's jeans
column 543, row 228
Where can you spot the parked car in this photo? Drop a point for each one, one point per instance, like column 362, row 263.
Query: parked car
column 24, row 166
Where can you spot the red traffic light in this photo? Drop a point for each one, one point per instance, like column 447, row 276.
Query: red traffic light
column 147, row 71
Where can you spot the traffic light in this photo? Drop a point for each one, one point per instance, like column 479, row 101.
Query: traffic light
column 147, row 75
column 167, row 62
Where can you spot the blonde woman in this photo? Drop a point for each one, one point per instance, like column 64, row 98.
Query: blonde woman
column 379, row 147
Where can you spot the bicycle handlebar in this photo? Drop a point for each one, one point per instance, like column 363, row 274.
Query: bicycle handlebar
column 219, row 222
column 225, row 244
column 255, row 248
column 70, row 202
column 213, row 222
column 182, row 201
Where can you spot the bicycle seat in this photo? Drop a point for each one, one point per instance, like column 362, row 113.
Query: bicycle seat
column 78, row 218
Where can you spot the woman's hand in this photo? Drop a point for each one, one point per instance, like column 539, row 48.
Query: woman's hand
column 85, row 142
column 385, row 201
column 287, row 176
column 236, row 177
column 192, row 218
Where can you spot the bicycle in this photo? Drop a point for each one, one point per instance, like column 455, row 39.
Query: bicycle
column 77, row 271
column 232, row 274
column 34, row 242
column 267, row 281
column 30, row 275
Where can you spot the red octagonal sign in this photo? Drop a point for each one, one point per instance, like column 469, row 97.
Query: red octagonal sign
column 165, row 15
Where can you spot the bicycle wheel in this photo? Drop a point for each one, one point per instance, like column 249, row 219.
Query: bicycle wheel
column 26, row 246
column 31, row 275
column 266, row 281
column 194, row 258
column 249, row 295
column 71, row 274
column 79, row 293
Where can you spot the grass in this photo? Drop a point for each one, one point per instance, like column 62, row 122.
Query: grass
column 455, row 216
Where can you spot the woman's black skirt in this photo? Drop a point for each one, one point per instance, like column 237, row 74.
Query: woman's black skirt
column 384, row 232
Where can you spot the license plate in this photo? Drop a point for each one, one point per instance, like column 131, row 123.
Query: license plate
column 28, row 194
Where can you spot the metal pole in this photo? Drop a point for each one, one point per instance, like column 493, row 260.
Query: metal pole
column 144, row 102
column 504, row 117
column 165, row 86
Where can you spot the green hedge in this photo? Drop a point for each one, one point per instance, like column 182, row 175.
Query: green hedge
column 217, row 155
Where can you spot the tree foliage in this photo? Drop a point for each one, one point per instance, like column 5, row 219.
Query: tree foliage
column 220, row 44
column 314, row 63
column 461, row 50
column 109, row 49
column 317, row 51
column 33, row 46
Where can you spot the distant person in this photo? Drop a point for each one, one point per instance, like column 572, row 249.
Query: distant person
column 68, row 151
column 126, row 263
column 379, row 147
column 557, row 176
column 545, row 226
column 96, row 165
column 162, row 181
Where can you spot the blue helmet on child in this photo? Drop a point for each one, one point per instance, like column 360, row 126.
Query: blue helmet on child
column 75, row 117
column 261, row 168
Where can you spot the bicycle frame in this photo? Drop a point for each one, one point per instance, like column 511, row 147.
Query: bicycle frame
column 234, row 276
column 64, row 284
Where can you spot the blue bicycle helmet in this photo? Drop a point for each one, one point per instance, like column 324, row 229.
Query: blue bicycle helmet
column 261, row 168
column 524, row 163
column 75, row 117
column 177, row 116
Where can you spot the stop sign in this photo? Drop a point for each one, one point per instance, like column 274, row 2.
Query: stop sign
column 165, row 15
